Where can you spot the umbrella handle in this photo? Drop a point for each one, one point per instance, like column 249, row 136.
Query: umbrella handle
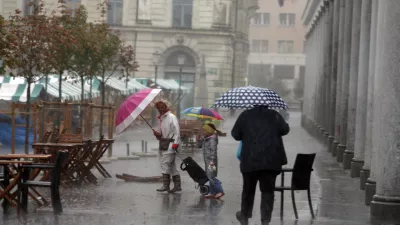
column 146, row 121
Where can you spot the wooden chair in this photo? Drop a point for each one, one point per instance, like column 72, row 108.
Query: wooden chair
column 78, row 130
column 70, row 138
column 301, row 177
column 53, row 184
column 55, row 135
column 46, row 137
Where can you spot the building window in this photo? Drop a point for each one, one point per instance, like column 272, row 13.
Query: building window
column 259, row 45
column 182, row 13
column 72, row 6
column 285, row 46
column 29, row 7
column 287, row 19
column 260, row 19
column 114, row 13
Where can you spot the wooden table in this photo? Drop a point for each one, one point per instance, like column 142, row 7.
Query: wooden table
column 15, row 159
column 5, row 193
column 52, row 148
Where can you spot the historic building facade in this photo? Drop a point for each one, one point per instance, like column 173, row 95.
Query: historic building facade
column 209, row 36
column 276, row 40
column 352, row 97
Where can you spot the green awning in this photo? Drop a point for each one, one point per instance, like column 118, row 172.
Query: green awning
column 17, row 92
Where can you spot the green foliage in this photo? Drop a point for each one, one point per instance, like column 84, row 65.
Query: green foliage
column 27, row 43
column 39, row 44
column 3, row 42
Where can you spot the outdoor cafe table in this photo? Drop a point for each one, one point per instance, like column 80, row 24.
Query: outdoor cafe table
column 11, row 160
column 82, row 158
column 52, row 148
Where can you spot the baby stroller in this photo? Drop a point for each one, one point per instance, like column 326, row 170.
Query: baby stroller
column 197, row 174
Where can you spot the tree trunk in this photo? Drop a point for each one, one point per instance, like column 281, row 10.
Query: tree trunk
column 59, row 97
column 45, row 85
column 103, row 103
column 27, row 116
column 90, row 90
column 82, row 102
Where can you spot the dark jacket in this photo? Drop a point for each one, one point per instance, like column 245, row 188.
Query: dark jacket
column 260, row 130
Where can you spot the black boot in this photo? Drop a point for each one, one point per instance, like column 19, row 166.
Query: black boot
column 242, row 219
column 166, row 182
column 177, row 184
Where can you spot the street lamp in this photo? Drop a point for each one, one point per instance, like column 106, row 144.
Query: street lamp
column 156, row 56
column 181, row 62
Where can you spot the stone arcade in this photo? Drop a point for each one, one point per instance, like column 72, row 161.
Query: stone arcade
column 352, row 98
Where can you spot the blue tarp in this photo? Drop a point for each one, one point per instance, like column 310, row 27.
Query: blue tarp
column 5, row 132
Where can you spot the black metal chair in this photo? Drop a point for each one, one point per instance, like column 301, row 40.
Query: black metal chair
column 301, row 177
column 53, row 184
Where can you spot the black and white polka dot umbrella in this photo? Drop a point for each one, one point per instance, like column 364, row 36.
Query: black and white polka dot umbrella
column 248, row 97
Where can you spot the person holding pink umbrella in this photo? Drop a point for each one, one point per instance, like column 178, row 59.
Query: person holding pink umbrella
column 168, row 134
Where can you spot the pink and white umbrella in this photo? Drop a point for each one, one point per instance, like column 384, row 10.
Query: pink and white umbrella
column 132, row 107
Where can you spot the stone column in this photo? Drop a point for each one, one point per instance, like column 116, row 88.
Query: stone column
column 365, row 172
column 352, row 104
column 362, row 90
column 385, row 206
column 341, row 30
column 345, row 81
column 310, row 75
column 320, row 62
column 327, row 69
column 297, row 72
column 370, row 186
column 323, row 59
column 334, row 71
column 304, row 107
column 317, row 73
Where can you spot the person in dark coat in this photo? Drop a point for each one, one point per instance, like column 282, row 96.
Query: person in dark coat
column 260, row 129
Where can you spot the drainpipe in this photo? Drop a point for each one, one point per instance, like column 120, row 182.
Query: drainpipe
column 135, row 33
column 234, row 43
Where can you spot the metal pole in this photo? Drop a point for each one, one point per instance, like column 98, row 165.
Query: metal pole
column 156, row 75
column 154, row 112
column 127, row 149
column 179, row 94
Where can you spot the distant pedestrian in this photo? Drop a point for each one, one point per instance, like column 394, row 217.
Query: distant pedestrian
column 168, row 128
column 261, row 158
column 210, row 153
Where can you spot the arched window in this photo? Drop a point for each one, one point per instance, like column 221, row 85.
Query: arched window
column 182, row 13
column 172, row 60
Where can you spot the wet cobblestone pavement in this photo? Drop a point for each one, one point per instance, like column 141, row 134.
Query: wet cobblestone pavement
column 336, row 197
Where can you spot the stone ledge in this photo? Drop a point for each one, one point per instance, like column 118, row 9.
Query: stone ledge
column 144, row 154
column 104, row 161
column 133, row 157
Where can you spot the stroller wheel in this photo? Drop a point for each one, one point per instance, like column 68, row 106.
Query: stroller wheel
column 204, row 189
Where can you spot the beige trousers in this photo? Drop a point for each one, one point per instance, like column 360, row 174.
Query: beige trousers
column 168, row 165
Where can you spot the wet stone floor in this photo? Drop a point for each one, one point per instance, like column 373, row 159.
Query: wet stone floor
column 336, row 197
